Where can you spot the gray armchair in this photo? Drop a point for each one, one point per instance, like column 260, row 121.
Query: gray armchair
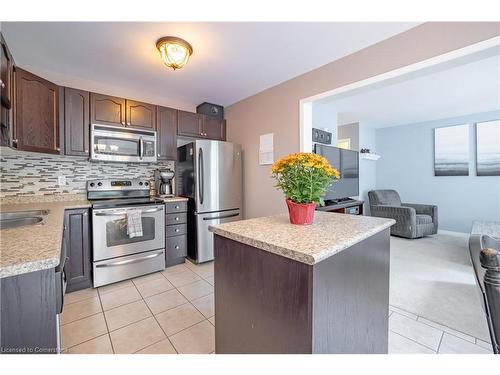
column 412, row 220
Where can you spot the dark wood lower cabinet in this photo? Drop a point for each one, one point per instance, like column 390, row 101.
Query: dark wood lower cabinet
column 28, row 313
column 176, row 233
column 77, row 238
column 266, row 303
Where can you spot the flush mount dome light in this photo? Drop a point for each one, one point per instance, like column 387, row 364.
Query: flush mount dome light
column 175, row 52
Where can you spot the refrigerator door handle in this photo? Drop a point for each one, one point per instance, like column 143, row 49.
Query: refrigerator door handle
column 200, row 175
column 221, row 217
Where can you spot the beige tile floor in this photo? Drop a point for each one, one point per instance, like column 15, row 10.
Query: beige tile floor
column 166, row 312
column 173, row 312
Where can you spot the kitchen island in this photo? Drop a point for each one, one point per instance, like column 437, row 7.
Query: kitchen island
column 283, row 288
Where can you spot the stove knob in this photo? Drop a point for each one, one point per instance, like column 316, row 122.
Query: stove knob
column 92, row 184
column 140, row 183
column 99, row 184
column 146, row 183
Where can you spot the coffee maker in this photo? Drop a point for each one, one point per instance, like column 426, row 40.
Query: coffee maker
column 164, row 182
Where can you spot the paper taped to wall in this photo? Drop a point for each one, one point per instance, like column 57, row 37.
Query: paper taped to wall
column 266, row 149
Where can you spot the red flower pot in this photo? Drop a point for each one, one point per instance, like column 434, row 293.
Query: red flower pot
column 301, row 213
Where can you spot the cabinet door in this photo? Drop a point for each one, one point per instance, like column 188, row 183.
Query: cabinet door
column 166, row 133
column 189, row 124
column 76, row 122
column 37, row 114
column 107, row 110
column 6, row 74
column 77, row 237
column 214, row 128
column 141, row 115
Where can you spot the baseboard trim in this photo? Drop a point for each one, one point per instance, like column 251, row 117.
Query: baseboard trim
column 453, row 233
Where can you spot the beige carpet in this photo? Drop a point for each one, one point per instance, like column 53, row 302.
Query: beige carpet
column 432, row 277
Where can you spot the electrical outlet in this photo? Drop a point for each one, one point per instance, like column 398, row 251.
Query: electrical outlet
column 61, row 180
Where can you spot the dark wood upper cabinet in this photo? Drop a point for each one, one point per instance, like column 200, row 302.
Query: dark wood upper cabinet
column 77, row 240
column 166, row 133
column 141, row 115
column 6, row 88
column 107, row 110
column 201, row 126
column 6, row 74
column 214, row 128
column 37, row 114
column 76, row 122
column 189, row 124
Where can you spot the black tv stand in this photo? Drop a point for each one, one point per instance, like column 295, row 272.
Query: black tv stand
column 332, row 202
column 343, row 206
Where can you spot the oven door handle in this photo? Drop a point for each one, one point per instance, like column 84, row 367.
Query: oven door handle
column 129, row 261
column 123, row 213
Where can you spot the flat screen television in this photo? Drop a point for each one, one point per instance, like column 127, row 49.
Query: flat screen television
column 347, row 163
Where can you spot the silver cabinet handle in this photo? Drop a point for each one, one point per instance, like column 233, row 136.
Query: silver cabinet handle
column 129, row 261
column 176, row 207
column 85, row 214
column 123, row 122
column 159, row 155
column 176, row 247
column 176, row 218
column 176, row 230
column 220, row 217
column 3, row 84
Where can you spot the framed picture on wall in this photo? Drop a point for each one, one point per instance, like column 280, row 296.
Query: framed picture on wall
column 488, row 148
column 451, row 151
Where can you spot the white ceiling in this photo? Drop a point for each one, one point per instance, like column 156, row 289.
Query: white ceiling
column 469, row 88
column 231, row 61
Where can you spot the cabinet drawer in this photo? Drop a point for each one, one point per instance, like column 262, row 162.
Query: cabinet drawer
column 176, row 230
column 176, row 247
column 173, row 207
column 179, row 218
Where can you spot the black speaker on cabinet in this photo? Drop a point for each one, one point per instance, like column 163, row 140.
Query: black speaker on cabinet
column 211, row 110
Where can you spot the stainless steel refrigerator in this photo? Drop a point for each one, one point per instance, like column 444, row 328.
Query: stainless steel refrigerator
column 209, row 173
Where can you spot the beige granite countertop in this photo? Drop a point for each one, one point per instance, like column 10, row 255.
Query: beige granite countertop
column 34, row 247
column 328, row 235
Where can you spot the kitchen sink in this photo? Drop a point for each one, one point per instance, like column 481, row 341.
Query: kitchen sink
column 22, row 218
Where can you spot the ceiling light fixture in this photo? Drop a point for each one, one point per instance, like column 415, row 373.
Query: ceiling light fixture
column 175, row 52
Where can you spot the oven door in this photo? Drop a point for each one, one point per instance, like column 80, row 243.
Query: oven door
column 110, row 143
column 110, row 238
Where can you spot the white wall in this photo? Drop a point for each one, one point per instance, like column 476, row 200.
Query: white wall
column 367, row 168
column 324, row 118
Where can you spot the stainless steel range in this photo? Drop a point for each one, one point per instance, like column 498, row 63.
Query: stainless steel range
column 117, row 255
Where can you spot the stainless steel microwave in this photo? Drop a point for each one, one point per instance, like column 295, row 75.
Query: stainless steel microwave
column 115, row 143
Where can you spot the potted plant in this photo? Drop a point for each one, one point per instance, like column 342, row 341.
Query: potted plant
column 304, row 178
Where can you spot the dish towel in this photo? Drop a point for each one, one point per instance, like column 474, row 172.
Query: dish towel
column 134, row 223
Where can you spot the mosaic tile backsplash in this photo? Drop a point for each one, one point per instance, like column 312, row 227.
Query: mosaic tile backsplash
column 29, row 173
